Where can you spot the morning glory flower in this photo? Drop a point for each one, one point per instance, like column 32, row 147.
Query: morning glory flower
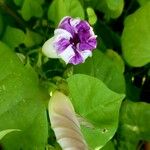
column 73, row 41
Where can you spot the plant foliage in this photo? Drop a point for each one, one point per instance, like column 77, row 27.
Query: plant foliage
column 110, row 92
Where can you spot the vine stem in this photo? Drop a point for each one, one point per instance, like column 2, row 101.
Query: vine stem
column 10, row 12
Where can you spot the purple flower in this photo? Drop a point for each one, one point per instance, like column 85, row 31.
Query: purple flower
column 73, row 41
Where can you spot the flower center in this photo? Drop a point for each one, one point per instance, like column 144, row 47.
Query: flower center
column 75, row 40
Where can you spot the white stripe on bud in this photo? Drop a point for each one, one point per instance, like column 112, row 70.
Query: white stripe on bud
column 65, row 124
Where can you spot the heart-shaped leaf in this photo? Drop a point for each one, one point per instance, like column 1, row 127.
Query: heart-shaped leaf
column 21, row 104
column 98, row 108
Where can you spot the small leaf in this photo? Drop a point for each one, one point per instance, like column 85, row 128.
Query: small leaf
column 5, row 132
column 115, row 8
column 13, row 36
column 92, row 18
column 111, row 8
column 31, row 8
column 61, row 8
column 136, row 37
column 64, row 123
column 29, row 38
column 32, row 38
column 18, row 2
column 98, row 106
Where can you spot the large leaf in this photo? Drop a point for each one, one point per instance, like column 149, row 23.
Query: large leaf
column 21, row 105
column 65, row 123
column 136, row 37
column 134, row 124
column 98, row 108
column 111, row 8
column 61, row 8
column 103, row 68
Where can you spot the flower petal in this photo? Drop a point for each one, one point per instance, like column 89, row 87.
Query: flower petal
column 61, row 45
column 85, row 54
column 92, row 32
column 67, row 54
column 77, row 58
column 61, row 33
column 80, row 57
column 90, row 44
column 62, row 40
column 65, row 19
column 74, row 23
column 73, row 41
column 83, row 25
column 49, row 50
column 65, row 24
column 83, row 31
column 84, row 46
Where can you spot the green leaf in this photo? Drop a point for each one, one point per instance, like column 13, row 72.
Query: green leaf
column 18, row 2
column 13, row 36
column 21, row 104
column 49, row 147
column 103, row 68
column 92, row 18
column 142, row 2
column 29, row 38
column 31, row 8
column 109, row 146
column 61, row 8
column 32, row 38
column 116, row 58
column 1, row 24
column 5, row 132
column 98, row 108
column 136, row 37
column 134, row 124
column 111, row 8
